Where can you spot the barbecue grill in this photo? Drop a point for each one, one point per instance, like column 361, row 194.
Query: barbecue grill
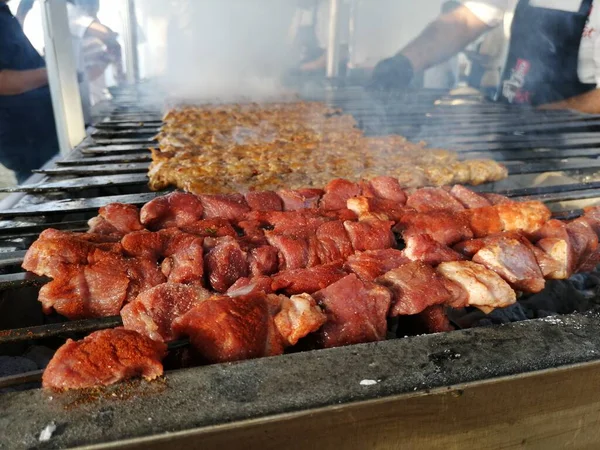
column 494, row 383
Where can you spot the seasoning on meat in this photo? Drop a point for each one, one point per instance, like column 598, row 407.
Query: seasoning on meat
column 152, row 313
column 102, row 358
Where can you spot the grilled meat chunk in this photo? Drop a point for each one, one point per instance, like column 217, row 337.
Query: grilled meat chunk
column 264, row 201
column 225, row 264
column 102, row 358
column 367, row 208
column 176, row 209
column 433, row 199
column 444, row 227
column 337, row 193
column 251, row 286
column 415, row 287
column 514, row 261
column 295, row 200
column 300, row 281
column 372, row 264
column 468, row 198
column 527, row 217
column 152, row 313
column 224, row 329
column 422, row 247
column 333, row 242
column 116, row 218
column 356, row 312
column 299, row 316
column 485, row 289
column 370, row 234
column 224, row 206
column 384, row 188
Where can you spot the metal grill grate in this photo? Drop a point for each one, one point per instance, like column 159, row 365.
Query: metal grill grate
column 111, row 165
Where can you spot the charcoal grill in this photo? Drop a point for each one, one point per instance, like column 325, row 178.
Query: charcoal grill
column 423, row 390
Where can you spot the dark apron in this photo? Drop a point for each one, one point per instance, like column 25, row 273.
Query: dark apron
column 544, row 55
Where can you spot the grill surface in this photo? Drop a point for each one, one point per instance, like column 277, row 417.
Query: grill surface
column 551, row 156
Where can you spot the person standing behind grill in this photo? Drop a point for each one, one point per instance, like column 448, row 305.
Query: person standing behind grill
column 553, row 58
column 27, row 132
column 95, row 45
column 309, row 35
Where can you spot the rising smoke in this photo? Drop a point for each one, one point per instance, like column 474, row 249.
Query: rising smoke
column 220, row 49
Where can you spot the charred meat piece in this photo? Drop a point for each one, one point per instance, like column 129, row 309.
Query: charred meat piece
column 370, row 234
column 433, row 199
column 307, row 281
column 264, row 201
column 415, row 287
column 485, row 289
column 337, row 194
column 116, row 218
column 177, row 209
column 102, row 358
column 356, row 312
column 295, row 200
column 225, row 263
column 298, row 317
column 224, row 206
column 152, row 313
column 375, row 263
column 224, row 329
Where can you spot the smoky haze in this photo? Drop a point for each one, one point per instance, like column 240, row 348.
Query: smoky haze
column 224, row 48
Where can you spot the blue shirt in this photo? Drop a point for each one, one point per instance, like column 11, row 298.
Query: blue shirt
column 29, row 116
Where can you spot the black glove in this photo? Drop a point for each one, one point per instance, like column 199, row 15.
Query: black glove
column 392, row 73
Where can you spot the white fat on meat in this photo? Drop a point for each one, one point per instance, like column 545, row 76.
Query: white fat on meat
column 485, row 289
column 299, row 316
column 528, row 217
column 558, row 249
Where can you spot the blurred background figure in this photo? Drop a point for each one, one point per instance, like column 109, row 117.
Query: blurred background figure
column 444, row 75
column 309, row 33
column 95, row 45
